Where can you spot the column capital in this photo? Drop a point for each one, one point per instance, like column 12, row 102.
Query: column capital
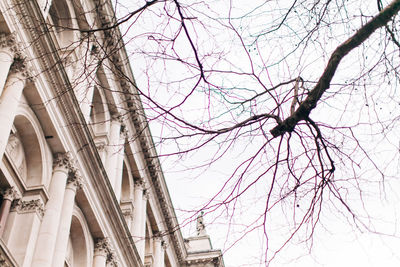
column 102, row 247
column 62, row 160
column 20, row 67
column 112, row 258
column 117, row 117
column 139, row 183
column 75, row 180
column 164, row 244
column 34, row 205
column 159, row 239
column 8, row 41
column 10, row 193
column 124, row 131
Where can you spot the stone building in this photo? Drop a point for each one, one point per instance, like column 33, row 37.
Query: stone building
column 81, row 184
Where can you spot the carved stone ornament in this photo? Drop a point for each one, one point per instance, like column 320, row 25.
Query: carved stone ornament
column 10, row 193
column 7, row 40
column 158, row 238
column 139, row 183
column 62, row 160
column 75, row 180
column 21, row 67
column 200, row 227
column 100, row 147
column 34, row 205
column 102, row 246
column 15, row 151
column 164, row 244
column 124, row 131
column 112, row 258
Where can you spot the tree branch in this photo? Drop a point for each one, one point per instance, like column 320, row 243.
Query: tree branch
column 304, row 110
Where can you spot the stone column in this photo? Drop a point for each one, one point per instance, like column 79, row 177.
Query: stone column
column 137, row 215
column 10, row 98
column 45, row 244
column 120, row 163
column 73, row 184
column 158, row 252
column 113, row 149
column 137, row 210
column 101, row 250
column 8, row 196
column 8, row 48
column 142, row 234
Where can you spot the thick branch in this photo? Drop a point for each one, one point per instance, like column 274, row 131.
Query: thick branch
column 304, row 109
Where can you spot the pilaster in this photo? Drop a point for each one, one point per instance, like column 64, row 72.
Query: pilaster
column 113, row 149
column 8, row 196
column 22, row 229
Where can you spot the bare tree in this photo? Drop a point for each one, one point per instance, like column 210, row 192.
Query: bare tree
column 300, row 97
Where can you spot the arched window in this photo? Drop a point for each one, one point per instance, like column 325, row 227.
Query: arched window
column 62, row 21
column 27, row 149
column 99, row 118
column 127, row 184
column 80, row 243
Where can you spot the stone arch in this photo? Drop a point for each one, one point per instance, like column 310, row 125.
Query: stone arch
column 80, row 248
column 99, row 115
column 27, row 148
column 62, row 19
column 127, row 183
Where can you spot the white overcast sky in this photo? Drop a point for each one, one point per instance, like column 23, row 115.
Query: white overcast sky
column 336, row 240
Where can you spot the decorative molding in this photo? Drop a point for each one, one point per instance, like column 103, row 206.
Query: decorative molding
column 164, row 244
column 20, row 66
column 10, row 193
column 117, row 117
column 127, row 209
column 100, row 146
column 159, row 238
column 124, row 131
column 215, row 260
column 112, row 258
column 102, row 246
column 139, row 183
column 75, row 180
column 62, row 160
column 146, row 194
column 8, row 41
column 34, row 205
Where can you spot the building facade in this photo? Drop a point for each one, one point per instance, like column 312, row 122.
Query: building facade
column 81, row 183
